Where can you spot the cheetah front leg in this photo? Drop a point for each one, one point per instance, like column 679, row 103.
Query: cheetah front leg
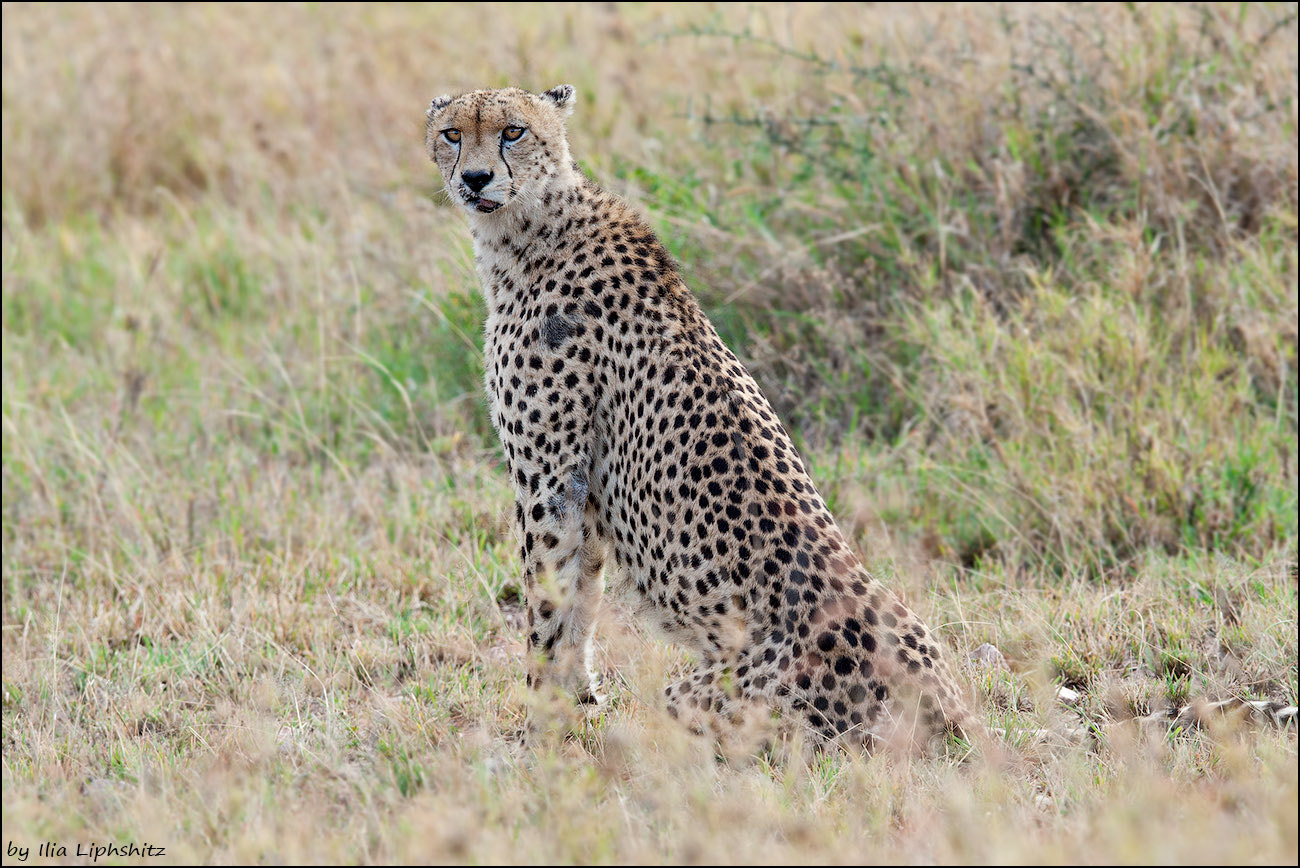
column 564, row 561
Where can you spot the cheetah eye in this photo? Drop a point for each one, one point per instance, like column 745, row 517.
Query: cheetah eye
column 452, row 136
column 512, row 134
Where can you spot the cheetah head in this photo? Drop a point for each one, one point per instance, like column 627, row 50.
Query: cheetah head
column 495, row 147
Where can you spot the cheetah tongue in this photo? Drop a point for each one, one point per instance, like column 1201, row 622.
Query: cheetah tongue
column 486, row 206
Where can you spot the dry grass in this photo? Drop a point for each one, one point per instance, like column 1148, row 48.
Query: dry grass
column 1024, row 279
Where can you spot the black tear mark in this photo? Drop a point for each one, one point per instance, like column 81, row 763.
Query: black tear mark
column 501, row 149
column 557, row 329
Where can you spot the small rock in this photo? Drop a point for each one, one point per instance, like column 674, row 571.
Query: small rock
column 1066, row 695
column 990, row 657
column 506, row 652
column 284, row 740
column 103, row 789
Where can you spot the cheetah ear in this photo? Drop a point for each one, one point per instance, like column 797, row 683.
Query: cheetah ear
column 562, row 96
column 439, row 103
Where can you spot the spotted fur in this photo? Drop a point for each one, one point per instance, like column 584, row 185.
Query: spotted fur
column 631, row 432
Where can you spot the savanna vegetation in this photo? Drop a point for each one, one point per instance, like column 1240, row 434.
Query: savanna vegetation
column 1022, row 281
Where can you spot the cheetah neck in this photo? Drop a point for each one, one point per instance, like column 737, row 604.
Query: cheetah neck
column 509, row 244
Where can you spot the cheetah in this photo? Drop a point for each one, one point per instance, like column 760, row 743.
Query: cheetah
column 630, row 431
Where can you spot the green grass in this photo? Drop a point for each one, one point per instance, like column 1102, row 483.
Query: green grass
column 1092, row 366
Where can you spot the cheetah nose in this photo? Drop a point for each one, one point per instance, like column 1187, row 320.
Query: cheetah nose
column 476, row 181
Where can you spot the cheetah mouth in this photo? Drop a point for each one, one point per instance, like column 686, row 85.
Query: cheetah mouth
column 483, row 206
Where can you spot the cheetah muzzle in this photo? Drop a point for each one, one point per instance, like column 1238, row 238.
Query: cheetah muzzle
column 632, row 433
